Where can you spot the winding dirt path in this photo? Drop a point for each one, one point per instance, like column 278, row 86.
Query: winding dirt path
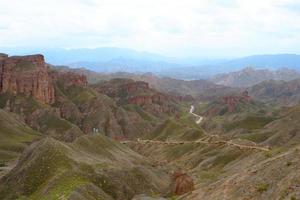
column 208, row 139
column 192, row 112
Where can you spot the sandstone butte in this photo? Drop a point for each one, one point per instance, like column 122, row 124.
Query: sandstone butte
column 30, row 76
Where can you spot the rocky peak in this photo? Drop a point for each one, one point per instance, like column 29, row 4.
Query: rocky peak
column 27, row 75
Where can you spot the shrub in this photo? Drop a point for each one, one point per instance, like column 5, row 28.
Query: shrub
column 249, row 123
column 293, row 198
column 2, row 163
column 262, row 187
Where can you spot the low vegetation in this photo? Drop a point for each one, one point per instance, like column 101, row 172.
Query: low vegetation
column 14, row 136
column 249, row 123
column 262, row 187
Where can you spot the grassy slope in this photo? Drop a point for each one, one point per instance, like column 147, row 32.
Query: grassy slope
column 249, row 123
column 144, row 115
column 92, row 164
column 14, row 136
column 184, row 128
column 20, row 103
column 205, row 162
column 45, row 119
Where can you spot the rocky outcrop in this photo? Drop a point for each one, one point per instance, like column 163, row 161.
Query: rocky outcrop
column 135, row 86
column 27, row 75
column 127, row 91
column 122, row 87
column 231, row 104
column 183, row 183
column 233, row 101
column 70, row 79
column 140, row 100
column 155, row 103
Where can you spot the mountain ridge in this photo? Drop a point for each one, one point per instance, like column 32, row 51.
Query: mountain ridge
column 113, row 59
column 249, row 76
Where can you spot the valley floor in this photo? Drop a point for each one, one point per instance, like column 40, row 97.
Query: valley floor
column 158, row 151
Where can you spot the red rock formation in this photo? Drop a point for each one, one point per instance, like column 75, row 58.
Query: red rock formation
column 26, row 75
column 232, row 101
column 183, row 183
column 70, row 79
column 135, row 86
column 155, row 102
column 149, row 99
column 140, row 100
column 159, row 98
column 126, row 91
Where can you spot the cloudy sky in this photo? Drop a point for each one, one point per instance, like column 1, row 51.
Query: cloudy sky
column 205, row 28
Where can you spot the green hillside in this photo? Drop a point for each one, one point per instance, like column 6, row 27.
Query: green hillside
column 94, row 165
column 14, row 136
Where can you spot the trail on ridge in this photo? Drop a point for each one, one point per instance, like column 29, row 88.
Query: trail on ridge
column 208, row 139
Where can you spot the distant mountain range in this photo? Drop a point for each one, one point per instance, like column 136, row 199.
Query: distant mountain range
column 275, row 61
column 105, row 59
column 126, row 65
column 109, row 59
column 105, row 54
column 163, row 84
column 210, row 69
column 191, row 69
column 249, row 76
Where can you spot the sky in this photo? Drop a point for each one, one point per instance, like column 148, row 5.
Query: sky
column 189, row 28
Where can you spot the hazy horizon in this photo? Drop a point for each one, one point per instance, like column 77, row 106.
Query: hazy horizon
column 12, row 51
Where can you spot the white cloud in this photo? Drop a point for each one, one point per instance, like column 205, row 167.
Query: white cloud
column 190, row 27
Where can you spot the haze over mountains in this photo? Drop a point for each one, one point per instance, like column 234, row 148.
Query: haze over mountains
column 110, row 59
column 249, row 76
